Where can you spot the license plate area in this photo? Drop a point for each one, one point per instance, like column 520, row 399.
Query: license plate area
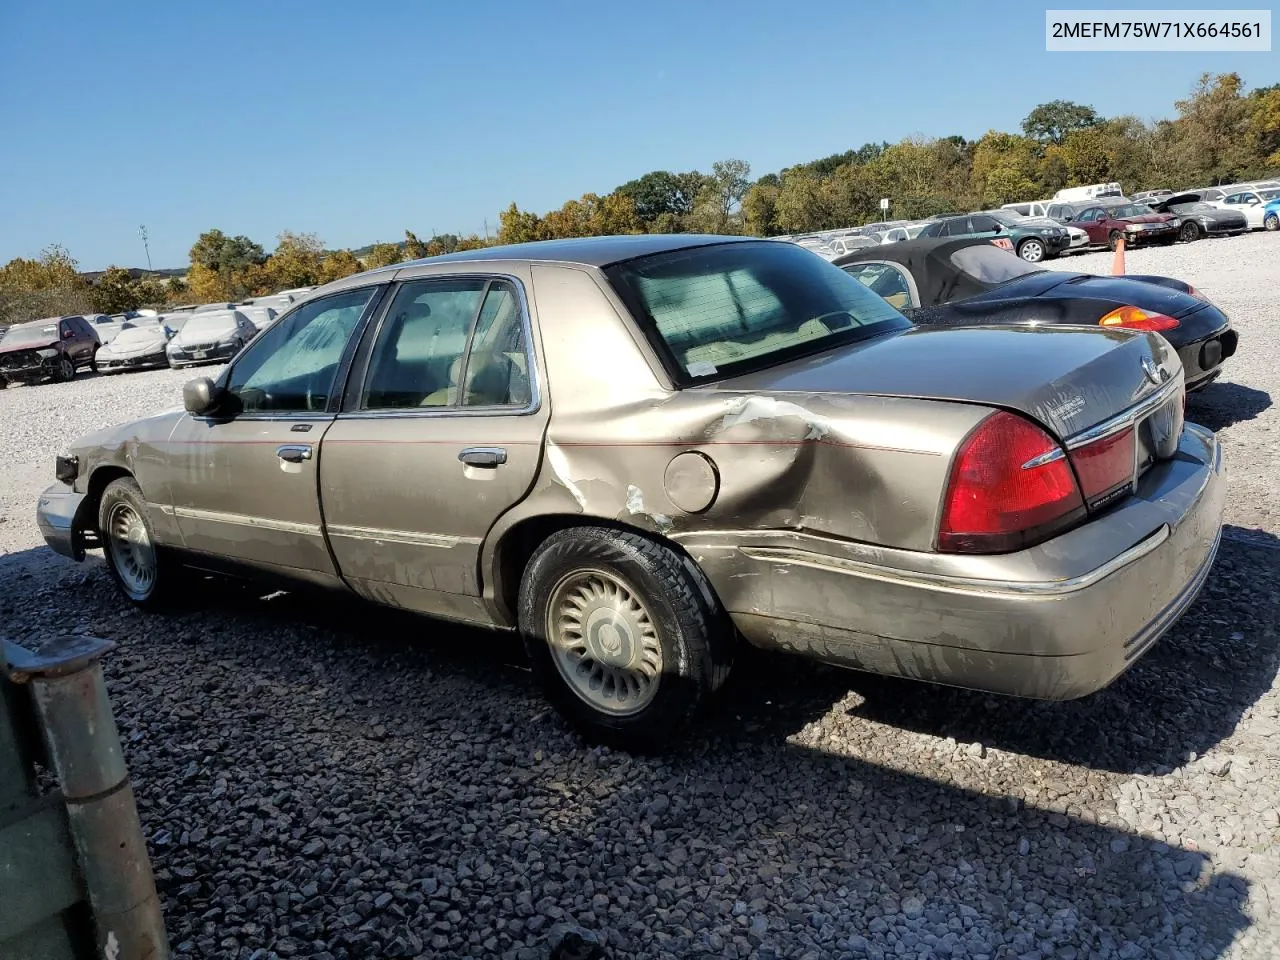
column 199, row 354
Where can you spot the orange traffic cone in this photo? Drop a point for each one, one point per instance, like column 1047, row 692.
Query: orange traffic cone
column 1117, row 265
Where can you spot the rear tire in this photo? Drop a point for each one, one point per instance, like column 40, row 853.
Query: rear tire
column 129, row 547
column 624, row 635
column 1189, row 232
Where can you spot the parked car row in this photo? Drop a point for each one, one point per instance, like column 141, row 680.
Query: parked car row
column 187, row 335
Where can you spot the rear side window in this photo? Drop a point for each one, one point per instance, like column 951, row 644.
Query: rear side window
column 450, row 342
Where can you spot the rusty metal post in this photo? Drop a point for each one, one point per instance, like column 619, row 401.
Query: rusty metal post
column 82, row 746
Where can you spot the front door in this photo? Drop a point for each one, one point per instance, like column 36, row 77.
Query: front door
column 244, row 485
column 1093, row 222
column 441, row 433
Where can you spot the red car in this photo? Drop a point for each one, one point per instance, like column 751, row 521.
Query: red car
column 1107, row 222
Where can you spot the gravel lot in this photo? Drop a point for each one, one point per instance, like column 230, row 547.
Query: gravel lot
column 322, row 780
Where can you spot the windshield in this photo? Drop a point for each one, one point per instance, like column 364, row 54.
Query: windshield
column 209, row 323
column 37, row 334
column 1123, row 210
column 989, row 264
column 1269, row 194
column 138, row 335
column 716, row 309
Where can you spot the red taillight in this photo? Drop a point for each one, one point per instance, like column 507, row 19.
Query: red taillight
column 1135, row 318
column 1010, row 486
column 1105, row 465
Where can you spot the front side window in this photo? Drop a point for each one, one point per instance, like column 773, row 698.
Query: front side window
column 720, row 308
column 292, row 367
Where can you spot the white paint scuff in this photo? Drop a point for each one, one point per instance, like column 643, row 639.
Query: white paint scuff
column 560, row 467
column 749, row 409
column 635, row 506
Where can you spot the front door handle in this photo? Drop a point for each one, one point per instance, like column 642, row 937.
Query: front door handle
column 483, row 456
column 294, row 452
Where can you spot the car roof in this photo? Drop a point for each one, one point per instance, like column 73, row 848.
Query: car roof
column 586, row 251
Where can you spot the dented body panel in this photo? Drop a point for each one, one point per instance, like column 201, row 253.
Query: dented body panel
column 809, row 491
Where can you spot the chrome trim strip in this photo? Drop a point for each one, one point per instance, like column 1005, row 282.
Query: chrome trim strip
column 1033, row 589
column 1126, row 418
column 244, row 520
column 409, row 537
column 1056, row 453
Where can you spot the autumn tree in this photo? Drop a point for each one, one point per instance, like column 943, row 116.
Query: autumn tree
column 115, row 292
column 383, row 255
column 1004, row 169
column 295, row 262
column 520, row 226
column 339, row 264
column 414, row 249
column 222, row 267
column 48, row 285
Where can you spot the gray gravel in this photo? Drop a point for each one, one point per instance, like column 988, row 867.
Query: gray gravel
column 324, row 780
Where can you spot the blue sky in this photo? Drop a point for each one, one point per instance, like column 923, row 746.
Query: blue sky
column 357, row 120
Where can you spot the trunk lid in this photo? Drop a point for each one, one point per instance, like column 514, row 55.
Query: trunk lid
column 1067, row 379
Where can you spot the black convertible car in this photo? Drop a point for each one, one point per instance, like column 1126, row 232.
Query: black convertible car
column 969, row 281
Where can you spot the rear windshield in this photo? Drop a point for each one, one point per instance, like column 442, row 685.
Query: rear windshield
column 41, row 333
column 713, row 311
column 210, row 322
column 989, row 264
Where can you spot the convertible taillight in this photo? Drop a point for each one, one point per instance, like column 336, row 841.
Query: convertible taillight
column 1011, row 486
column 1135, row 318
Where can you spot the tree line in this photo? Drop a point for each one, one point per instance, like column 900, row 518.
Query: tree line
column 1220, row 133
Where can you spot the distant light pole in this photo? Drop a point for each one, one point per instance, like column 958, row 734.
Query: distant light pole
column 142, row 232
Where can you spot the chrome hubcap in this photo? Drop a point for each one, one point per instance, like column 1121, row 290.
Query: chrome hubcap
column 604, row 642
column 1032, row 251
column 131, row 550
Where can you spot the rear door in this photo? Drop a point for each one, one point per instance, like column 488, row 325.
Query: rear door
column 440, row 434
column 243, row 485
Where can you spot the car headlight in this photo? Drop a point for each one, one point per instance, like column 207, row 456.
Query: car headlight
column 1135, row 227
column 47, row 353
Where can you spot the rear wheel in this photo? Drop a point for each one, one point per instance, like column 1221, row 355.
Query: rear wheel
column 623, row 633
column 66, row 369
column 129, row 546
column 1031, row 250
column 1272, row 221
column 1189, row 231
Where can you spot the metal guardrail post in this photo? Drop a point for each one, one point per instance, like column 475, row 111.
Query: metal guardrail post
column 82, row 747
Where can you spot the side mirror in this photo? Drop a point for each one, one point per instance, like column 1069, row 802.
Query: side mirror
column 200, row 396
column 999, row 228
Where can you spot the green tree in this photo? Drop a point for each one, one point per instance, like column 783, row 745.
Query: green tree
column 662, row 192
column 1213, row 128
column 1054, row 121
column 759, row 210
column 1004, row 169
column 222, row 267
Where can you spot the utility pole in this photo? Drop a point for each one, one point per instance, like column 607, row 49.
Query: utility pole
column 142, row 232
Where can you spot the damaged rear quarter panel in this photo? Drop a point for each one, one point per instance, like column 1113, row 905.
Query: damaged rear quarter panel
column 868, row 468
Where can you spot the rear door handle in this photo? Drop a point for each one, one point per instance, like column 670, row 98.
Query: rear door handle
column 483, row 456
column 294, row 452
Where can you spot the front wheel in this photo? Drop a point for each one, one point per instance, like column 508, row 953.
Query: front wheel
column 93, row 360
column 1031, row 250
column 129, row 546
column 1113, row 240
column 66, row 369
column 1189, row 232
column 623, row 633
column 1272, row 222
